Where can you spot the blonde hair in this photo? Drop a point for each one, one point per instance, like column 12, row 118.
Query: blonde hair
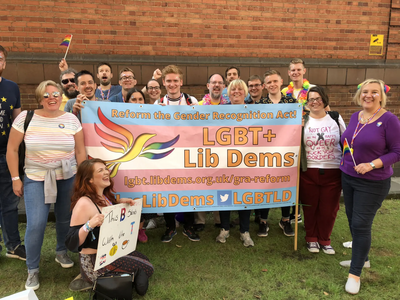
column 172, row 69
column 41, row 89
column 296, row 61
column 357, row 96
column 238, row 83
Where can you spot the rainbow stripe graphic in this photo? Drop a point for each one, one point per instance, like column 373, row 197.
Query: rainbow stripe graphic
column 66, row 40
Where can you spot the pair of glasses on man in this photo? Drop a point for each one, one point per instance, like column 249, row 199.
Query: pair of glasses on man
column 53, row 94
column 65, row 81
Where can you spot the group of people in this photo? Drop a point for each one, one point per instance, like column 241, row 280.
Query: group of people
column 356, row 159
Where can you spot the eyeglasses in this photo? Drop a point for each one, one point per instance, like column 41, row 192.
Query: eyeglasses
column 254, row 85
column 65, row 81
column 318, row 100
column 126, row 78
column 217, row 82
column 153, row 88
column 53, row 94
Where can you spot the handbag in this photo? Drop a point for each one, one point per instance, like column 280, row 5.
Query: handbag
column 21, row 150
column 113, row 286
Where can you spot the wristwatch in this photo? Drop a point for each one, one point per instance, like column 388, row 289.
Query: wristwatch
column 372, row 165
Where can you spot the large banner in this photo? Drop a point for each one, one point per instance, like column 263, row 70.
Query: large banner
column 197, row 158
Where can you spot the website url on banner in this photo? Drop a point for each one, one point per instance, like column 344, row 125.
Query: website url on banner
column 131, row 182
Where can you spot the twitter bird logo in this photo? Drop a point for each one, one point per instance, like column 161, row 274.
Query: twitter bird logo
column 224, row 197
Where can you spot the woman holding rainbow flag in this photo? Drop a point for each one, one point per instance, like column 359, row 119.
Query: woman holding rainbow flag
column 371, row 145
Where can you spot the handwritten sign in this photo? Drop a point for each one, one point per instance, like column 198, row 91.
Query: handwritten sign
column 197, row 158
column 119, row 232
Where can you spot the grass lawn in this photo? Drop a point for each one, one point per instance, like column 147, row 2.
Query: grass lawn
column 208, row 270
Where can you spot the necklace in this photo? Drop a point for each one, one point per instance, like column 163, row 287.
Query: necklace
column 302, row 96
column 180, row 99
column 357, row 131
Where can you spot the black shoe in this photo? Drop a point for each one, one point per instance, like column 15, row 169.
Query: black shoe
column 191, row 234
column 168, row 235
column 79, row 284
column 286, row 227
column 263, row 229
column 293, row 219
column 19, row 252
column 141, row 282
column 199, row 227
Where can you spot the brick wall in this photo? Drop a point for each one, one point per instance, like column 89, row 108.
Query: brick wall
column 209, row 28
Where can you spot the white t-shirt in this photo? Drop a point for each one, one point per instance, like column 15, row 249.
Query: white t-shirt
column 322, row 142
column 181, row 101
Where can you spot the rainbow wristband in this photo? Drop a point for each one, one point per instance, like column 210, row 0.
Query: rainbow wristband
column 86, row 227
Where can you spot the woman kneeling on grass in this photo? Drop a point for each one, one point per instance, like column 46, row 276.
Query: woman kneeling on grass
column 93, row 189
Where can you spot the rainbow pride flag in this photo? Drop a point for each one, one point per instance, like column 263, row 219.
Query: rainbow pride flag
column 346, row 148
column 66, row 40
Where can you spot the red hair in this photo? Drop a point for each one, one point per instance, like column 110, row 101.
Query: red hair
column 84, row 188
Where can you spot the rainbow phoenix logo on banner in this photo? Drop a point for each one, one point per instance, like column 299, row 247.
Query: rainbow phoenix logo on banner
column 66, row 40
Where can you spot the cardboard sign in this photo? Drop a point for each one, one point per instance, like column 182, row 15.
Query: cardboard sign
column 119, row 232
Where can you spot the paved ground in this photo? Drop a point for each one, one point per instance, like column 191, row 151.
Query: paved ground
column 393, row 193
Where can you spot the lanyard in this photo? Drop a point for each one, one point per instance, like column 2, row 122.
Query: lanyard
column 356, row 131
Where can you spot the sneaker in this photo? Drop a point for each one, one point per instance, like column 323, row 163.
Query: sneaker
column 313, row 247
column 263, row 229
column 328, row 249
column 286, row 227
column 352, row 286
column 32, row 283
column 292, row 219
column 247, row 241
column 168, row 235
column 19, row 252
column 348, row 244
column 191, row 234
column 79, row 284
column 347, row 263
column 223, row 235
column 64, row 261
column 152, row 224
column 142, row 237
column 199, row 227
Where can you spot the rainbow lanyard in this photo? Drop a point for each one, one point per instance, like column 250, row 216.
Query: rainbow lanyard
column 108, row 201
column 180, row 98
column 102, row 94
column 356, row 131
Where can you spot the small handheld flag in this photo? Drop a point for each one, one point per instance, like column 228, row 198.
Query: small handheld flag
column 66, row 42
column 347, row 150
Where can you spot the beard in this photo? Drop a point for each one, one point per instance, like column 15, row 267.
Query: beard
column 215, row 95
column 70, row 94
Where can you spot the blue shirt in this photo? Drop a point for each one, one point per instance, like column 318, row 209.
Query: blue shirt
column 107, row 94
column 117, row 98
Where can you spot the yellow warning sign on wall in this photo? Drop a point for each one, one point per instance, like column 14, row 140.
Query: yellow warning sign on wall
column 376, row 44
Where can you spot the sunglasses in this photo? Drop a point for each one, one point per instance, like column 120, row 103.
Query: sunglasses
column 53, row 94
column 65, row 81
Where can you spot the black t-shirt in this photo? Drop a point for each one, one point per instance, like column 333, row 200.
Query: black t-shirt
column 9, row 100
